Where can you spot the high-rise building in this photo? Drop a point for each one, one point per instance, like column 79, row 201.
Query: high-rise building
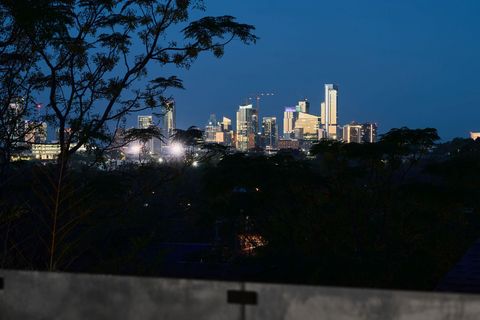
column 369, row 132
column 352, row 133
column 35, row 132
column 247, row 127
column 169, row 121
column 309, row 124
column 329, row 111
column 289, row 117
column 304, row 106
column 145, row 122
column 226, row 124
column 225, row 137
column 211, row 129
column 219, row 132
column 360, row 133
column 270, row 133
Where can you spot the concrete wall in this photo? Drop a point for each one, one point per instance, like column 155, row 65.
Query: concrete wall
column 35, row 295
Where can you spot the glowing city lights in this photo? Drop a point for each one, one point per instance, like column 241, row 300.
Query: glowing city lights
column 177, row 149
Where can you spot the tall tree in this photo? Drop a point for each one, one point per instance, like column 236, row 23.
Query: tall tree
column 91, row 59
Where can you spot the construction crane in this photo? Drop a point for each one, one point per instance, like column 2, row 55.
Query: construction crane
column 258, row 97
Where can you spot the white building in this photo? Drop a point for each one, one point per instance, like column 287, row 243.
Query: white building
column 247, row 127
column 329, row 111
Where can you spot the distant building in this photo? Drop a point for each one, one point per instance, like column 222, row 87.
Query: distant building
column 289, row 117
column 270, row 133
column 226, row 124
column 474, row 135
column 211, row 129
column 49, row 151
column 35, row 132
column 304, row 106
column 288, row 144
column 309, row 125
column 169, row 121
column 145, row 122
column 219, row 132
column 247, row 127
column 369, row 132
column 226, row 136
column 352, row 133
column 298, row 133
column 329, row 111
column 360, row 133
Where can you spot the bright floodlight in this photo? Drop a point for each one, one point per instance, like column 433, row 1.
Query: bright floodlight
column 136, row 148
column 160, row 160
column 195, row 164
column 177, row 149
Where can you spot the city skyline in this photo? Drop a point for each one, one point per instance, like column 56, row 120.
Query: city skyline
column 389, row 71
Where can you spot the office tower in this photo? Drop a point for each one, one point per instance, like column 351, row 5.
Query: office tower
column 211, row 129
column 289, row 117
column 304, row 106
column 169, row 121
column 288, row 144
column 35, row 132
column 226, row 124
column 270, row 133
column 369, row 132
column 352, row 133
column 247, row 127
column 329, row 111
column 309, row 124
column 225, row 136
column 145, row 122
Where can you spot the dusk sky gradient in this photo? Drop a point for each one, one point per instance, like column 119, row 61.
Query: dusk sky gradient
column 399, row 63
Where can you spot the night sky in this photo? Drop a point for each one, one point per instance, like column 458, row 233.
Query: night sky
column 399, row 63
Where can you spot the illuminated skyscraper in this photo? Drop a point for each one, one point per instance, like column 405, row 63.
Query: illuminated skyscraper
column 329, row 111
column 211, row 129
column 247, row 127
column 169, row 121
column 289, row 117
column 352, row 132
column 369, row 132
column 304, row 106
column 309, row 125
column 270, row 133
column 145, row 122
column 226, row 124
column 360, row 133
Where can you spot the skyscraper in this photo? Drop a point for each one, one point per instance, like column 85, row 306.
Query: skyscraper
column 270, row 133
column 169, row 121
column 211, row 129
column 145, row 122
column 289, row 117
column 309, row 124
column 352, row 132
column 329, row 111
column 369, row 132
column 304, row 106
column 226, row 124
column 360, row 133
column 35, row 132
column 247, row 127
